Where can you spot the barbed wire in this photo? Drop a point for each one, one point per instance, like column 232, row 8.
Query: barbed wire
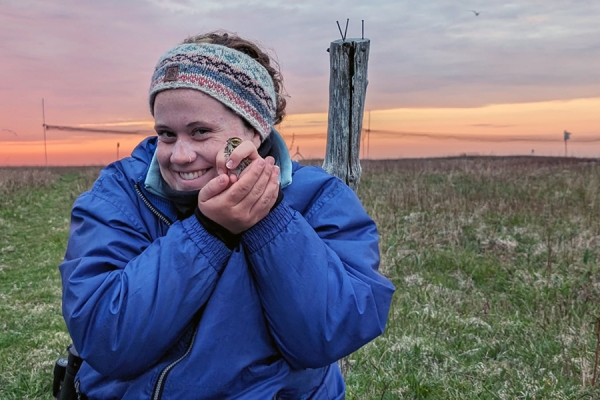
column 382, row 134
column 99, row 130
column 391, row 134
column 546, row 137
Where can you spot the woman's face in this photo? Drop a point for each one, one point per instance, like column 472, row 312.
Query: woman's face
column 192, row 130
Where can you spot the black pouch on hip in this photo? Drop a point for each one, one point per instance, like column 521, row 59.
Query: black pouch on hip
column 65, row 369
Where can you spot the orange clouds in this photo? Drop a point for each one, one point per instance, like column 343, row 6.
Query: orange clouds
column 399, row 133
column 76, row 151
column 490, row 130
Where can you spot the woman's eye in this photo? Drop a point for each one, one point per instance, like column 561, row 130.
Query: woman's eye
column 166, row 135
column 199, row 131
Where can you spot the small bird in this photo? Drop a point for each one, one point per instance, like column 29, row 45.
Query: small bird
column 475, row 12
column 232, row 143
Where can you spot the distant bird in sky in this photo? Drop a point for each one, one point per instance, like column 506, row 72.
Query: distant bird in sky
column 475, row 12
column 8, row 130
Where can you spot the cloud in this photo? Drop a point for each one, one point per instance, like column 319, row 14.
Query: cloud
column 92, row 60
column 491, row 125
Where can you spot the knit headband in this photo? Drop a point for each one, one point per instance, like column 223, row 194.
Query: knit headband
column 228, row 75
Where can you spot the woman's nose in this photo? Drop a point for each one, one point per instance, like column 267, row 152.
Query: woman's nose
column 182, row 153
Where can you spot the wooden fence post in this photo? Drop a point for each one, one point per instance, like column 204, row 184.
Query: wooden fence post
column 347, row 90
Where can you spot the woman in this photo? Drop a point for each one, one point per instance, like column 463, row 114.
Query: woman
column 186, row 279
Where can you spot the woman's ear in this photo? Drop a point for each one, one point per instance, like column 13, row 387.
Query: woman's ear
column 256, row 139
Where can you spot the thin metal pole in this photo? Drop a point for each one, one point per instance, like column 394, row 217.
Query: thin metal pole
column 346, row 30
column 369, row 134
column 363, row 146
column 44, row 125
column 340, row 29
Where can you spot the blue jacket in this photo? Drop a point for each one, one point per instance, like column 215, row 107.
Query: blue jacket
column 161, row 309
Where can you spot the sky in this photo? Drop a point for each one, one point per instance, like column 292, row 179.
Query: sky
column 443, row 81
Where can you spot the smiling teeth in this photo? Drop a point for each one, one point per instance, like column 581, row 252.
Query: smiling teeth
column 188, row 176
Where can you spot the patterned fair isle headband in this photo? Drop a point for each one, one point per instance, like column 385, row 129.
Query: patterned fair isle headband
column 230, row 76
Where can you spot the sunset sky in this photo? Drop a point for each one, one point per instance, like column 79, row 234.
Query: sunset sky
column 442, row 81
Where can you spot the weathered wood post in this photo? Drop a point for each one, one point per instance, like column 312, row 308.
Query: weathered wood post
column 347, row 90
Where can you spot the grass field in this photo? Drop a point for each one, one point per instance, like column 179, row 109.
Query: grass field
column 495, row 261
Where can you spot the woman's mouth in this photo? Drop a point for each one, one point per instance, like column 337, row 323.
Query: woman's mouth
column 188, row 176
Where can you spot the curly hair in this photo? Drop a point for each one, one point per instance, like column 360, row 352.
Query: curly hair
column 251, row 49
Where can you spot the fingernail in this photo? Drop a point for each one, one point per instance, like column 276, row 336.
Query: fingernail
column 220, row 171
column 229, row 164
column 223, row 178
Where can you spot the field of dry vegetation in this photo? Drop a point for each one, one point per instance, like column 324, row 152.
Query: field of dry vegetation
column 495, row 261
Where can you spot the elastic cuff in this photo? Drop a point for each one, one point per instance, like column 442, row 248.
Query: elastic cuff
column 214, row 250
column 267, row 228
column 231, row 240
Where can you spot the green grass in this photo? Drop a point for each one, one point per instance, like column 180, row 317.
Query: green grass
column 498, row 285
column 495, row 261
column 34, row 221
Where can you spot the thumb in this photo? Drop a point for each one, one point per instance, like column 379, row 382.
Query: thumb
column 213, row 188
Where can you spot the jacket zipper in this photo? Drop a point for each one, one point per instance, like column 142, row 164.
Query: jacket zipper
column 154, row 210
column 160, row 383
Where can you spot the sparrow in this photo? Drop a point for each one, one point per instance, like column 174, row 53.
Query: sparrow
column 232, row 143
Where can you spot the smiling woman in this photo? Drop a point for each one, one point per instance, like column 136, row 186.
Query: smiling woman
column 185, row 279
column 192, row 128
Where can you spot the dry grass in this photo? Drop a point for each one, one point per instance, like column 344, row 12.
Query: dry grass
column 495, row 260
column 13, row 179
column 496, row 265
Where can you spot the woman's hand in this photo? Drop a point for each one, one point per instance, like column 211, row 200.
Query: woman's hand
column 238, row 203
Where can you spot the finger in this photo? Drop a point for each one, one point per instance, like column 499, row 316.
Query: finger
column 246, row 181
column 213, row 188
column 220, row 163
column 245, row 150
column 261, row 183
column 234, row 178
column 265, row 202
column 260, row 186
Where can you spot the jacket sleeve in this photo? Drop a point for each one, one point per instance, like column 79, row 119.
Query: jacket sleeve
column 127, row 296
column 317, row 276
